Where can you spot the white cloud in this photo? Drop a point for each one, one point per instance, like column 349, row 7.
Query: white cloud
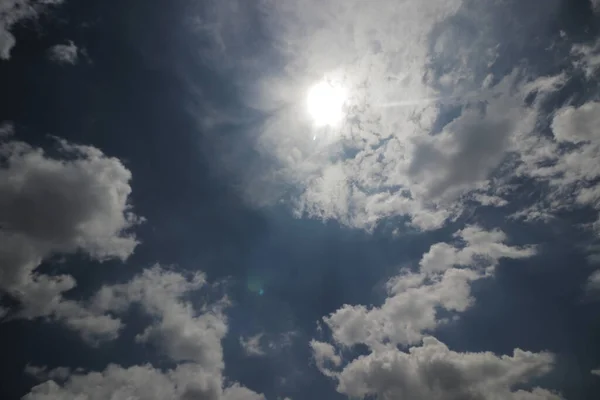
column 58, row 206
column 415, row 299
column 179, row 332
column 411, row 309
column 595, row 372
column 186, row 334
column 565, row 164
column 480, row 246
column 325, row 356
column 432, row 371
column 13, row 12
column 185, row 382
column 64, row 53
column 252, row 346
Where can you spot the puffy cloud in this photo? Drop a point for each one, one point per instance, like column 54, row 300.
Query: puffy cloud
column 14, row 11
column 432, row 371
column 179, row 331
column 251, row 345
column 576, row 125
column 411, row 309
column 64, row 53
column 56, row 206
column 415, row 299
column 188, row 335
column 479, row 246
column 185, row 382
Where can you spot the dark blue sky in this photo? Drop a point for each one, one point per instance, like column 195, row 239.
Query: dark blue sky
column 452, row 140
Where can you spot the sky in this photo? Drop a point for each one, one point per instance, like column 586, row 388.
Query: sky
column 300, row 199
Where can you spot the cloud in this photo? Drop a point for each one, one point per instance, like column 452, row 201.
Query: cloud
column 64, row 53
column 13, row 12
column 592, row 285
column 77, row 202
column 416, row 298
column 595, row 372
column 398, row 153
column 55, row 206
column 429, row 369
column 577, row 125
column 479, row 246
column 251, row 345
column 58, row 206
column 6, row 129
column 179, row 331
column 432, row 371
column 187, row 334
column 469, row 148
column 185, row 382
column 587, row 57
column 43, row 374
column 325, row 356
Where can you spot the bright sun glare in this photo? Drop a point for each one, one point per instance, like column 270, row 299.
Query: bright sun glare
column 325, row 103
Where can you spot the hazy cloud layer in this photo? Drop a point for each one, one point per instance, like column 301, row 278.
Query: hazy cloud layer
column 390, row 157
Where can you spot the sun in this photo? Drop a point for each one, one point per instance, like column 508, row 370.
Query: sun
column 325, row 103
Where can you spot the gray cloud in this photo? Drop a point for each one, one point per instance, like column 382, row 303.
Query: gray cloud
column 252, row 345
column 13, row 12
column 185, row 382
column 592, row 285
column 43, row 373
column 64, row 53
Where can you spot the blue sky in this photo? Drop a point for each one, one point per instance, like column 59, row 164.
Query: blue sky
column 184, row 216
